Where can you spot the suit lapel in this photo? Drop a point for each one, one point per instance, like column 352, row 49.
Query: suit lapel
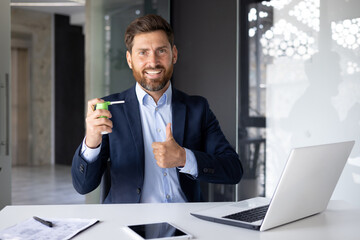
column 178, row 117
column 132, row 113
column 178, row 122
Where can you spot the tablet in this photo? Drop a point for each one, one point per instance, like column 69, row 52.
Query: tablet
column 162, row 230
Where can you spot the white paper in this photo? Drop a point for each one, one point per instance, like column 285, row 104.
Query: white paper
column 33, row 230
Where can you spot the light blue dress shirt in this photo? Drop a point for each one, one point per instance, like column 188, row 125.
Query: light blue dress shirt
column 160, row 184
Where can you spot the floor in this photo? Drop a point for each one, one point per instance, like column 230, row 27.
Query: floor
column 43, row 185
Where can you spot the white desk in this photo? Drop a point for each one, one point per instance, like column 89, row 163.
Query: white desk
column 339, row 221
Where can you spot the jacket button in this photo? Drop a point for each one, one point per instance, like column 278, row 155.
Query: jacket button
column 205, row 170
column 138, row 190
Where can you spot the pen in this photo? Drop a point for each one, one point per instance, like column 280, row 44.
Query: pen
column 47, row 223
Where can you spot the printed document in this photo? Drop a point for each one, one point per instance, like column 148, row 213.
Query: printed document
column 33, row 230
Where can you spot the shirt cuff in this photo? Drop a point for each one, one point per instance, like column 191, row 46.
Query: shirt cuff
column 190, row 164
column 89, row 154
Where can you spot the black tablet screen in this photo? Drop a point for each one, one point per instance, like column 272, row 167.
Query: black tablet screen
column 157, row 230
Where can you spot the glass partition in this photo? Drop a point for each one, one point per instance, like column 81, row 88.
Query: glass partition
column 117, row 16
column 306, row 59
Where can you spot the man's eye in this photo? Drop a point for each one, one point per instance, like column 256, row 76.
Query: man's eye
column 162, row 51
column 141, row 53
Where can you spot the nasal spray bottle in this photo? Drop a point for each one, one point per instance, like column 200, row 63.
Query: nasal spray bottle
column 105, row 105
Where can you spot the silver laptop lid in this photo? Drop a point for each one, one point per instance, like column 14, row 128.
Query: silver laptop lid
column 307, row 182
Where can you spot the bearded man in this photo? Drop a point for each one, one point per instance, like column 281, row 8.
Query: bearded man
column 161, row 142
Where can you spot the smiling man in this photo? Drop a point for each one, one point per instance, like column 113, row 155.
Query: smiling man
column 161, row 142
column 152, row 59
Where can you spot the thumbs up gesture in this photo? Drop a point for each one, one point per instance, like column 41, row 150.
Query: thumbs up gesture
column 169, row 154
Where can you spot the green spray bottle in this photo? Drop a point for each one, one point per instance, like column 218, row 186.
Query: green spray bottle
column 105, row 105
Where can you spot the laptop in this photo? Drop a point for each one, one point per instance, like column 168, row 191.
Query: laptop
column 304, row 189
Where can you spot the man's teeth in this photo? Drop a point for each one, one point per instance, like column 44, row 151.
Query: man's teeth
column 153, row 72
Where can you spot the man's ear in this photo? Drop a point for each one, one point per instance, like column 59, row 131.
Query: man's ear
column 128, row 58
column 175, row 54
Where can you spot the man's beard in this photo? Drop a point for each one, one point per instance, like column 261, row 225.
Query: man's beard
column 153, row 85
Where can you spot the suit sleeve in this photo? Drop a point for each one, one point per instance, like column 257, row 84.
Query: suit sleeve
column 86, row 176
column 218, row 162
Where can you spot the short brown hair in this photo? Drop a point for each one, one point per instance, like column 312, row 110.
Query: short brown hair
column 148, row 23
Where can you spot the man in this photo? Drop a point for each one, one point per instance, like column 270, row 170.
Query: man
column 160, row 142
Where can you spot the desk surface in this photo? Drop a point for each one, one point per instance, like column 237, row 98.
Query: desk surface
column 339, row 221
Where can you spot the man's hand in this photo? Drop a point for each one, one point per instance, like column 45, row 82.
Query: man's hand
column 169, row 154
column 96, row 125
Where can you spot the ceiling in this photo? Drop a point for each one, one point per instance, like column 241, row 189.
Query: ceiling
column 78, row 6
column 76, row 12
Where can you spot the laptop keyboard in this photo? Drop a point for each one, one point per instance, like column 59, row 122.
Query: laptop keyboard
column 251, row 215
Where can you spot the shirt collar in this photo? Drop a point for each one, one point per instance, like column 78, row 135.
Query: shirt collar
column 142, row 95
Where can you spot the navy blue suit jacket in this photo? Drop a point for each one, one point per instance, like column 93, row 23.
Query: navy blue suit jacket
column 194, row 127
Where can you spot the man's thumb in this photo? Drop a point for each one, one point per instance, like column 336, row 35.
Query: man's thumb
column 169, row 135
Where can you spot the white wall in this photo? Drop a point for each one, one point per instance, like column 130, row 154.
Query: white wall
column 313, row 93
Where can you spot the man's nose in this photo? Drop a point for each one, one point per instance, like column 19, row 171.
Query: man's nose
column 153, row 59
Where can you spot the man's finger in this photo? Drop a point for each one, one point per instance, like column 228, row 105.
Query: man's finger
column 154, row 145
column 92, row 103
column 169, row 135
column 103, row 122
column 99, row 113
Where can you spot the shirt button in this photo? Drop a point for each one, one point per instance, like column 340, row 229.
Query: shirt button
column 159, row 130
column 156, row 109
column 167, row 196
column 165, row 174
column 138, row 190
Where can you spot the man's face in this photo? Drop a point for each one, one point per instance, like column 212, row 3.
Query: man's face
column 152, row 60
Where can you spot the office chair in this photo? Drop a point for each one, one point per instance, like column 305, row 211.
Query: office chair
column 105, row 183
